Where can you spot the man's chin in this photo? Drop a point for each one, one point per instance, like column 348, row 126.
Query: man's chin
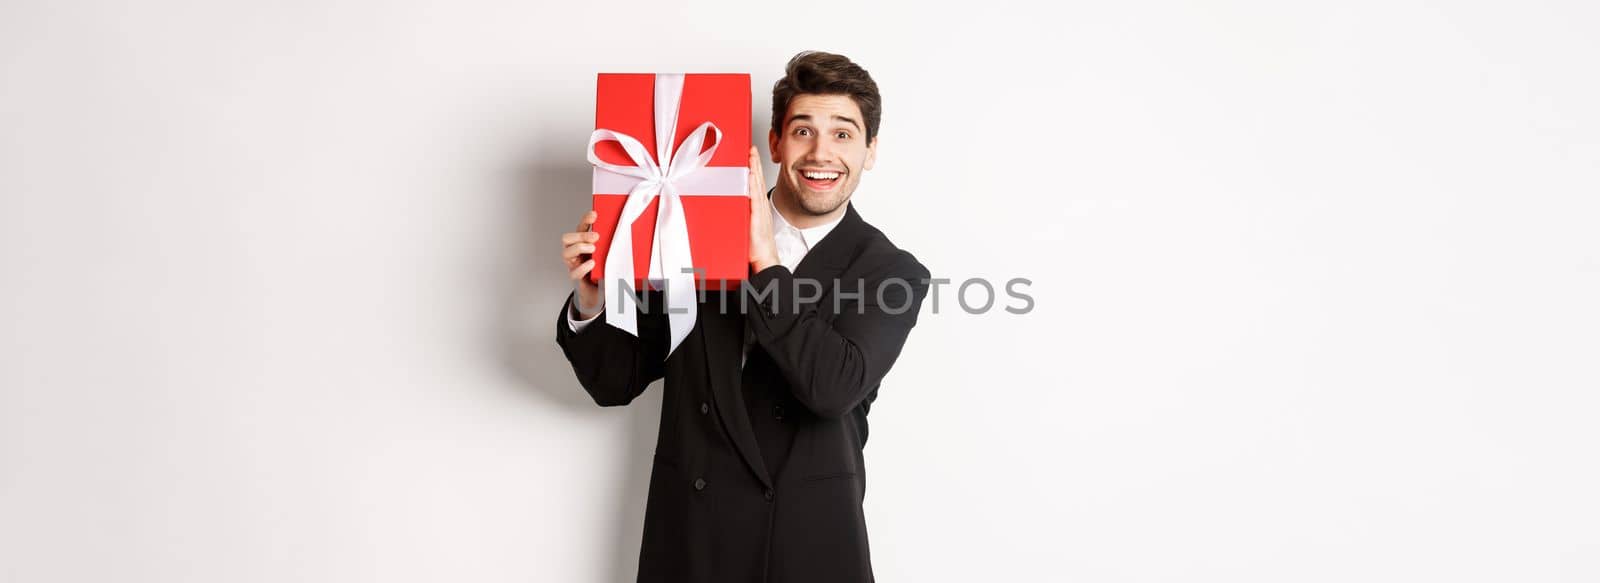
column 818, row 203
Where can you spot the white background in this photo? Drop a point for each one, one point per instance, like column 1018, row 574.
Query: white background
column 1315, row 288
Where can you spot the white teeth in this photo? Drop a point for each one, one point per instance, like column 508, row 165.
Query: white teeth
column 821, row 175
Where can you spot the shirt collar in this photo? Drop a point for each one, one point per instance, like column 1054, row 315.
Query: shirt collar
column 810, row 235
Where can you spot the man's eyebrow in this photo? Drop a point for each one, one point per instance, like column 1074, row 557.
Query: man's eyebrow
column 848, row 120
column 807, row 117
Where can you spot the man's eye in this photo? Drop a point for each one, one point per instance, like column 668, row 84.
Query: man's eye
column 802, row 132
column 843, row 135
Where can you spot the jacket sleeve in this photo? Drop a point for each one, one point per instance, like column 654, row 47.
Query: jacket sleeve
column 832, row 367
column 612, row 365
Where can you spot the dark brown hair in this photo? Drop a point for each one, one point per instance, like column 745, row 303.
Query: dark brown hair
column 821, row 73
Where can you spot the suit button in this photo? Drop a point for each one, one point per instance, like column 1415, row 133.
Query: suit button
column 699, row 483
column 777, row 412
column 768, row 494
column 704, row 408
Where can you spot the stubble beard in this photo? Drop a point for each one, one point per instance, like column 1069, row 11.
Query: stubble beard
column 820, row 204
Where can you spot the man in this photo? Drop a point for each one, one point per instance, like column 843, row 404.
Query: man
column 758, row 472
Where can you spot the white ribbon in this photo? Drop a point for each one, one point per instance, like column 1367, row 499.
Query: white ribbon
column 670, row 257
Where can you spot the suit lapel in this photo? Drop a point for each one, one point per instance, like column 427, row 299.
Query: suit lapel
column 723, row 336
column 833, row 253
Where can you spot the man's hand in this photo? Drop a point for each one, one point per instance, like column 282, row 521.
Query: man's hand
column 576, row 248
column 763, row 251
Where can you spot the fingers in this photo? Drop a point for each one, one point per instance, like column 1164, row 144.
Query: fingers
column 575, row 245
column 581, row 270
column 572, row 251
column 570, row 238
column 758, row 184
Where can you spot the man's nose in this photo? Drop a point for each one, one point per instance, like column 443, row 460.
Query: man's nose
column 820, row 152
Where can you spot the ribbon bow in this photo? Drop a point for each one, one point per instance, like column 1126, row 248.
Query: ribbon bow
column 670, row 258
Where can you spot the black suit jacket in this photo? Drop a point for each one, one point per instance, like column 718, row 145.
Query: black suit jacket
column 716, row 512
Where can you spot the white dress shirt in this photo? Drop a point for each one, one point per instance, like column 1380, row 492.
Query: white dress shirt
column 793, row 243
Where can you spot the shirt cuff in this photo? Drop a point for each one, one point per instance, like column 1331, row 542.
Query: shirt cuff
column 578, row 325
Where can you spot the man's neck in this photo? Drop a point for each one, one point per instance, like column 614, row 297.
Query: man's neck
column 785, row 203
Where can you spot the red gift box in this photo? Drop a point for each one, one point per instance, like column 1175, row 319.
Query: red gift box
column 713, row 198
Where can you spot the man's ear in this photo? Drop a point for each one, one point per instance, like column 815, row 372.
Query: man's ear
column 872, row 154
column 772, row 145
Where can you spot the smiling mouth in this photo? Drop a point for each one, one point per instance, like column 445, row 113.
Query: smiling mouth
column 821, row 179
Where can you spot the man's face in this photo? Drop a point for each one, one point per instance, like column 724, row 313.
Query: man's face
column 821, row 151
